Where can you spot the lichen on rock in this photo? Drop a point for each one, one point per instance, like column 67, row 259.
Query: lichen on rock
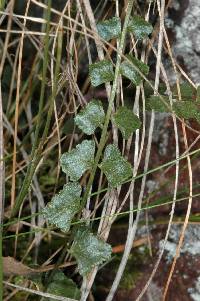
column 191, row 244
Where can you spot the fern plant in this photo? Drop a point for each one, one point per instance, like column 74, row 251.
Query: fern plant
column 98, row 152
column 87, row 248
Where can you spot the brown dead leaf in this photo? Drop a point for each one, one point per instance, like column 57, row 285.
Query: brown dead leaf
column 13, row 267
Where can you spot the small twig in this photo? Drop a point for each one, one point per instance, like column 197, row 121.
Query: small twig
column 136, row 243
column 31, row 291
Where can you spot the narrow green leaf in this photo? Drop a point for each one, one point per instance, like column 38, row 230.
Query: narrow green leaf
column 80, row 159
column 63, row 286
column 139, row 27
column 127, row 69
column 126, row 121
column 68, row 127
column 198, row 94
column 109, row 29
column 183, row 109
column 186, row 89
column 2, row 4
column 89, row 250
column 157, row 104
column 116, row 168
column 63, row 206
column 101, row 72
column 149, row 90
column 91, row 117
column 187, row 110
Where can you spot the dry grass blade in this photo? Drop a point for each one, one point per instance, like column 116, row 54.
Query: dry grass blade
column 38, row 293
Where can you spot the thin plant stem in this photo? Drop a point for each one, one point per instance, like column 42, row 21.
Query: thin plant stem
column 38, row 293
column 110, row 103
column 111, row 216
column 2, row 171
column 87, row 284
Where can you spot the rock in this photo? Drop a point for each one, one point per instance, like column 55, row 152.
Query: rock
column 195, row 292
column 184, row 21
column 191, row 244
